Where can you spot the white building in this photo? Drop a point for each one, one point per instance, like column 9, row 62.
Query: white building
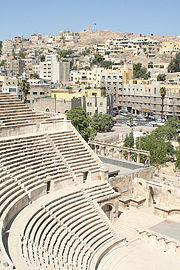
column 54, row 70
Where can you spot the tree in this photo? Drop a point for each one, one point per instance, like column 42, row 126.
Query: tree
column 87, row 68
column 2, row 63
column 65, row 53
column 163, row 93
column 156, row 146
column 130, row 121
column 161, row 77
column 0, row 47
column 158, row 143
column 25, row 89
column 140, row 72
column 13, row 54
column 102, row 122
column 22, row 54
column 129, row 140
column 99, row 61
column 174, row 65
column 81, row 121
column 35, row 76
column 150, row 64
column 42, row 58
column 178, row 158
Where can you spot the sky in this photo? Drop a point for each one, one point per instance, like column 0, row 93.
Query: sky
column 46, row 17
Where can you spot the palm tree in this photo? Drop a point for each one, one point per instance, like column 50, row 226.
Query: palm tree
column 25, row 89
column 130, row 121
column 163, row 93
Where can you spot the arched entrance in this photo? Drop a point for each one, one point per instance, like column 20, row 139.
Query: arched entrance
column 151, row 192
column 116, row 189
column 107, row 210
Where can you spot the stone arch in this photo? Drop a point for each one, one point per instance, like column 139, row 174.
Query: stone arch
column 116, row 189
column 108, row 209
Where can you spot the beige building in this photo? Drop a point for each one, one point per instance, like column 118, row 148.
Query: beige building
column 170, row 47
column 146, row 98
column 11, row 85
column 14, row 67
column 63, row 100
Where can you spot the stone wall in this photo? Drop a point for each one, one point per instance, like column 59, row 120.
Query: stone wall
column 125, row 183
column 36, row 128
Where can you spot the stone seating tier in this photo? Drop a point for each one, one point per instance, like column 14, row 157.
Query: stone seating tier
column 66, row 231
column 14, row 112
column 67, row 143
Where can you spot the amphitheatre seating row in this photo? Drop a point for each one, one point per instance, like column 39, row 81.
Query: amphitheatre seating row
column 99, row 191
column 14, row 112
column 74, row 151
column 32, row 161
column 27, row 164
column 66, row 232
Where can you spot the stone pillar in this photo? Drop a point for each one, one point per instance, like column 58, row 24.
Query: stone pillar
column 138, row 157
column 129, row 155
column 120, row 154
column 112, row 152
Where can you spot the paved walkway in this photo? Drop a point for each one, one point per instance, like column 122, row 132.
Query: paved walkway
column 132, row 219
column 137, row 254
column 169, row 228
column 113, row 168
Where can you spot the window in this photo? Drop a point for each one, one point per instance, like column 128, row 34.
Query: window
column 101, row 104
column 12, row 90
column 34, row 93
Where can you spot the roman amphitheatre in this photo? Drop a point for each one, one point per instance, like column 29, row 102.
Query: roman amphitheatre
column 65, row 204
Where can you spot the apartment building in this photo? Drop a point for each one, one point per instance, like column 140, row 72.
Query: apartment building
column 146, row 98
column 90, row 78
column 11, row 85
column 157, row 68
column 173, row 78
column 61, row 102
column 15, row 67
column 170, row 47
column 54, row 70
column 136, row 45
column 113, row 83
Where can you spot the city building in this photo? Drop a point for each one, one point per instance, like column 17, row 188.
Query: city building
column 92, row 100
column 12, row 86
column 54, row 70
column 14, row 67
column 146, row 99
